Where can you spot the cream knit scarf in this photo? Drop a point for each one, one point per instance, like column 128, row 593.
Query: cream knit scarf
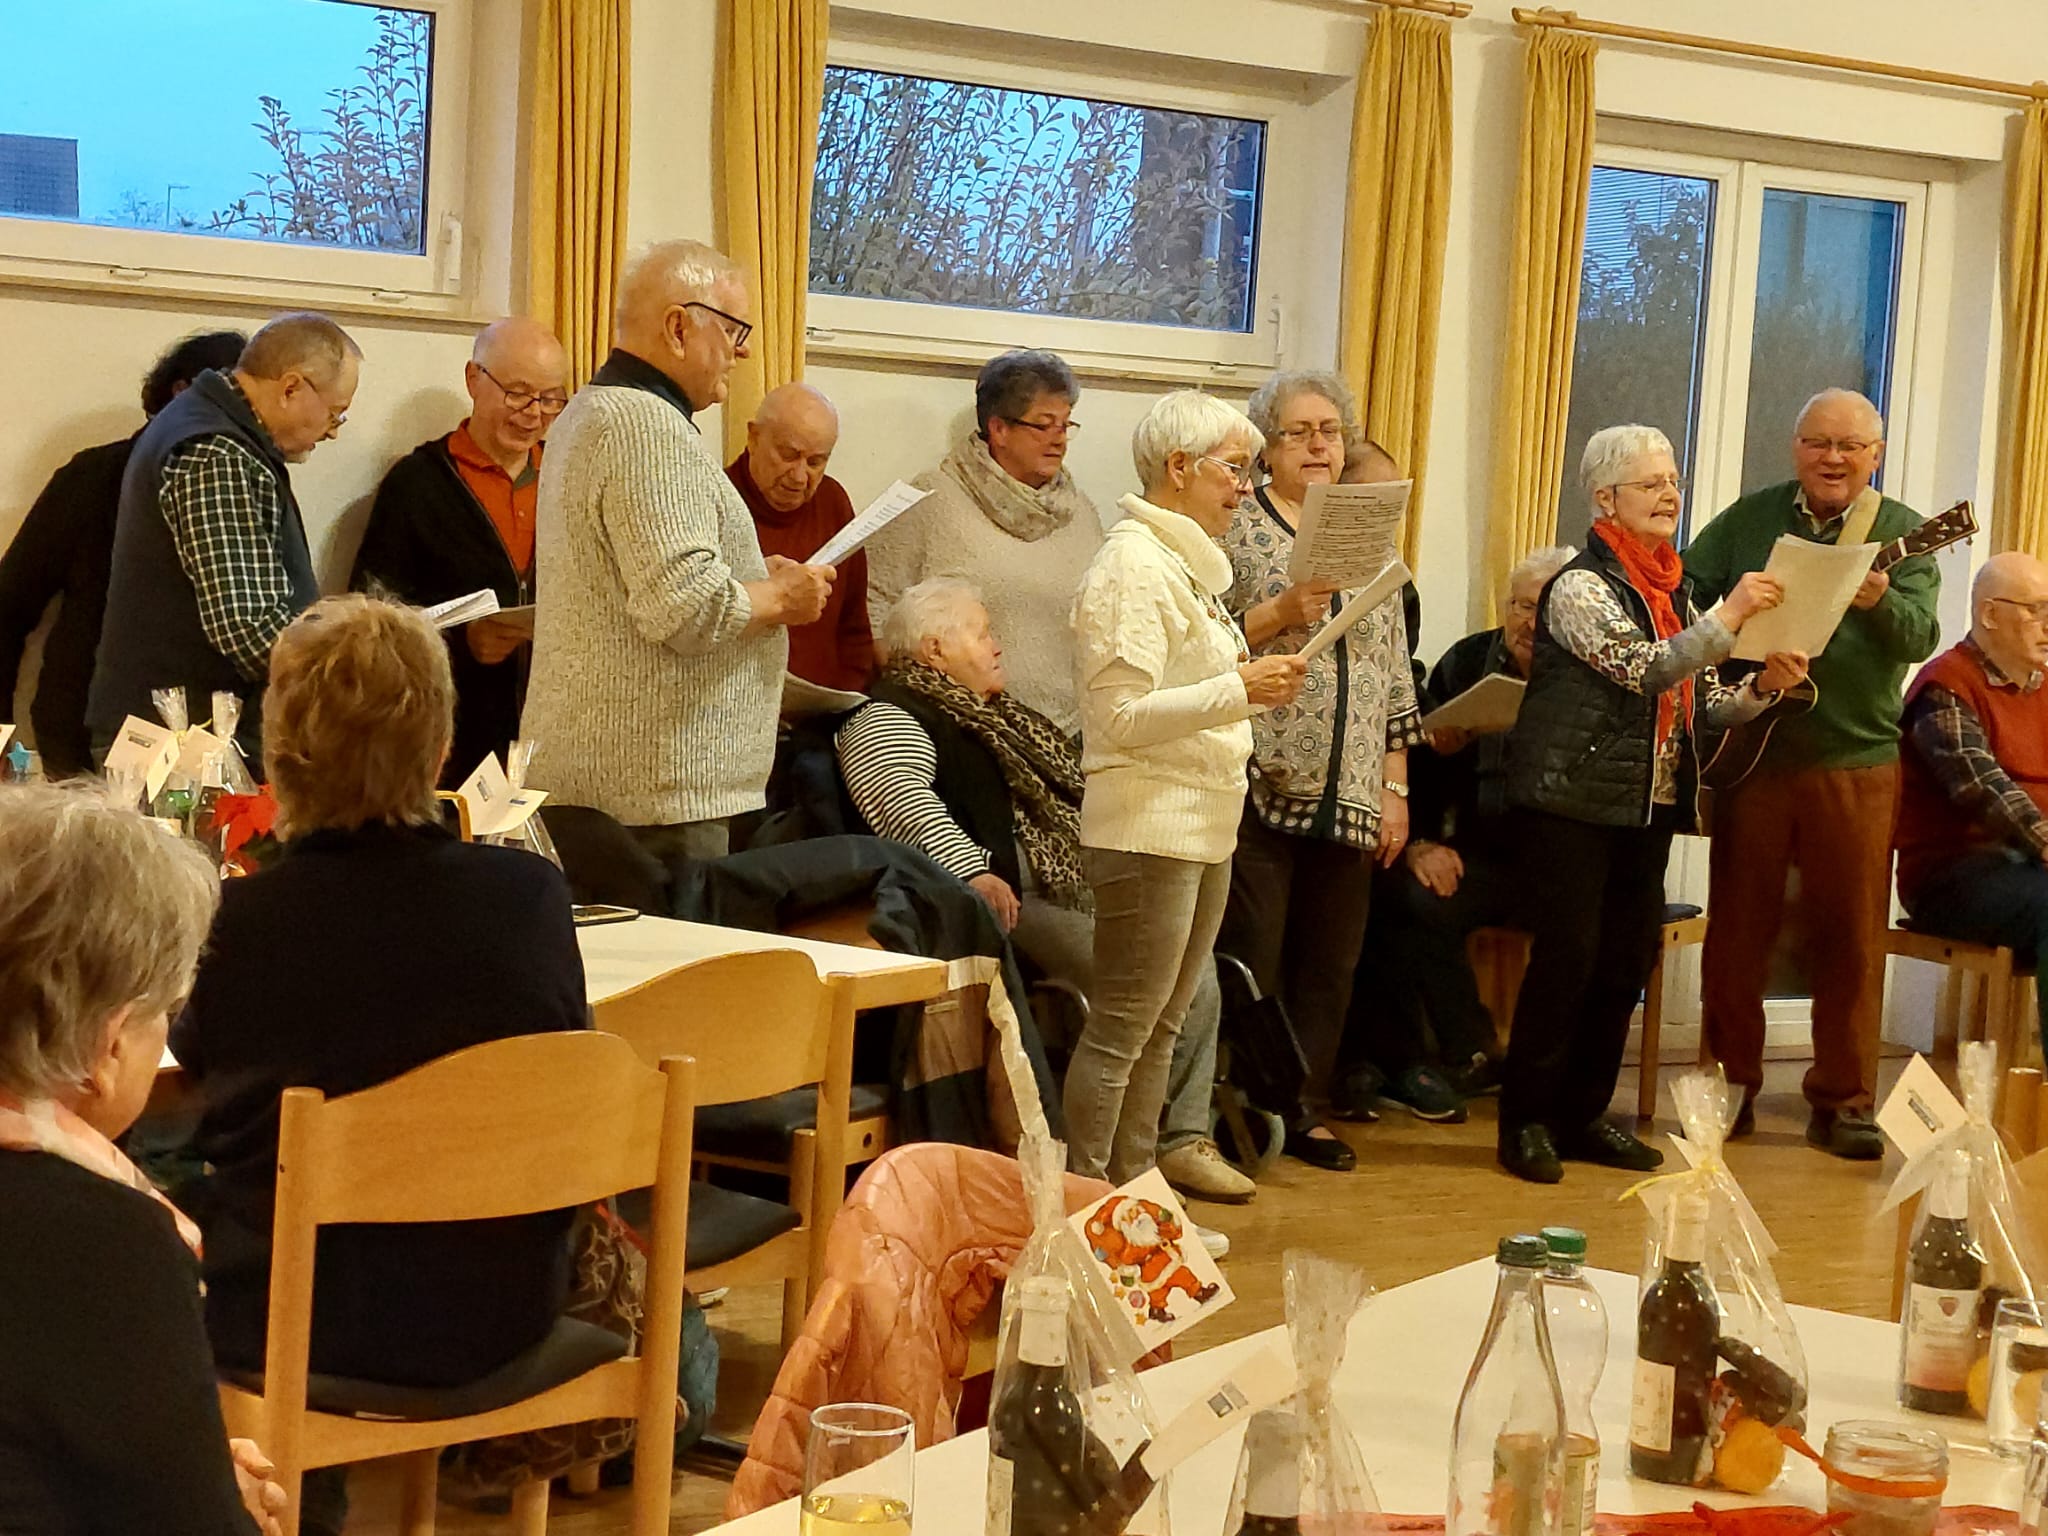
column 1009, row 503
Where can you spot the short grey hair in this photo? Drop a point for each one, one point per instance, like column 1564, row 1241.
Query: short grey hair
column 1542, row 564
column 1869, row 408
column 930, row 610
column 1007, row 385
column 1192, row 422
column 672, row 272
column 1270, row 400
column 1611, row 450
column 302, row 342
column 99, row 910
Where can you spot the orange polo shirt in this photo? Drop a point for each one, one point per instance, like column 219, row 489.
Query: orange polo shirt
column 510, row 502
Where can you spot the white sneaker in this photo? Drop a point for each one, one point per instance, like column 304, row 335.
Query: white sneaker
column 1216, row 1242
column 1197, row 1169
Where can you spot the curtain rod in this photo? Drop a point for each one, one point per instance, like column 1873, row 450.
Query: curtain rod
column 1571, row 21
column 1455, row 9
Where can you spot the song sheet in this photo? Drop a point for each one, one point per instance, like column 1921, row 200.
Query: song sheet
column 802, row 698
column 1348, row 533
column 1487, row 708
column 1819, row 581
column 1389, row 580
column 460, row 610
column 869, row 521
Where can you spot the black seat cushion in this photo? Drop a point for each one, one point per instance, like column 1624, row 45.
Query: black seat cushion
column 1679, row 911
column 723, row 1222
column 571, row 1348
column 2022, row 959
column 764, row 1130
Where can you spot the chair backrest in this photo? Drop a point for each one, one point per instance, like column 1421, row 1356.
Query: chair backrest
column 756, row 1024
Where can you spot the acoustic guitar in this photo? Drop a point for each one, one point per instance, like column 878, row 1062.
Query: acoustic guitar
column 1741, row 747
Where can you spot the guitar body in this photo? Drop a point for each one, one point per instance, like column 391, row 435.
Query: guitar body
column 1741, row 747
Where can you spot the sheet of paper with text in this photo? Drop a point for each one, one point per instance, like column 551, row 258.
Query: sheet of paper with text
column 1348, row 533
column 1819, row 581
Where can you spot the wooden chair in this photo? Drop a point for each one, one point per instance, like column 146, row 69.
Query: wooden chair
column 1992, row 1016
column 1683, row 925
column 759, row 1026
column 533, row 1123
column 1499, row 958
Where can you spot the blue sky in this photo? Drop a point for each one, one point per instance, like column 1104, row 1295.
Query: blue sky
column 164, row 91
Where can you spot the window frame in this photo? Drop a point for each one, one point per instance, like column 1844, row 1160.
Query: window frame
column 842, row 325
column 62, row 253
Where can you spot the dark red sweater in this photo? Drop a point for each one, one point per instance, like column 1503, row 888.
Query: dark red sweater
column 1932, row 828
column 837, row 650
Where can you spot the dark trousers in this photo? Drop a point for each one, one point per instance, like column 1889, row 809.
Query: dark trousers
column 1413, row 975
column 1596, row 904
column 1835, row 825
column 1297, row 917
column 1995, row 897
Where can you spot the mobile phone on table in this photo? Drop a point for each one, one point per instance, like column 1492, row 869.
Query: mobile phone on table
column 596, row 916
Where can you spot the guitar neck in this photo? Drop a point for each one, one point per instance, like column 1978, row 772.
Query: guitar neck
column 1958, row 523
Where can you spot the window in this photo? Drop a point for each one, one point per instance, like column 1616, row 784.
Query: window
column 1718, row 295
column 944, row 209
column 294, row 139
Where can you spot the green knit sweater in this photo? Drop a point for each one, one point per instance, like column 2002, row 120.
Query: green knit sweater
column 1863, row 669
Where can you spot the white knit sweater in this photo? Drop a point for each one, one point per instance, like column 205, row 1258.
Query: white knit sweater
column 1165, row 725
column 647, row 700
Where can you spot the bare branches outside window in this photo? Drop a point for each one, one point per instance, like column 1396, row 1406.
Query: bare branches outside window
column 941, row 192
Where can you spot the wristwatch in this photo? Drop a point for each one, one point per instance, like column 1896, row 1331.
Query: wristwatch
column 1399, row 789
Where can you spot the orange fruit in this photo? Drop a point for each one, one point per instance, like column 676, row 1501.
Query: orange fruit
column 1749, row 1458
column 1978, row 1386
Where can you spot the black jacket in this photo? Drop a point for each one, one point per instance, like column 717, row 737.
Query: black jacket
column 1584, row 747
column 429, row 539
column 967, row 778
column 1462, row 798
column 152, row 636
column 64, row 548
column 355, row 958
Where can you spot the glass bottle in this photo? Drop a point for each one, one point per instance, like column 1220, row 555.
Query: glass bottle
column 1578, row 1340
column 1272, row 1464
column 1048, row 1474
column 1507, row 1441
column 1944, row 1292
column 1677, row 1322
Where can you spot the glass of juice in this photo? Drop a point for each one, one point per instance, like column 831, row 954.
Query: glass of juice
column 2019, row 1364
column 858, row 1471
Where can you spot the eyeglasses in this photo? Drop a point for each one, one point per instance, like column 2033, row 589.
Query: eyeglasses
column 1295, row 437
column 1065, row 428
column 517, row 400
column 1241, row 473
column 2038, row 612
column 1656, row 486
column 335, row 419
column 1849, row 447
column 1521, row 607
column 736, row 330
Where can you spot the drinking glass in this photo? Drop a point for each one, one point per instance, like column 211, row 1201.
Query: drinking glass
column 858, row 1471
column 2019, row 1364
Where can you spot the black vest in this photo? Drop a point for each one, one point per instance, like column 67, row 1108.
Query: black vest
column 969, row 780
column 152, row 637
column 1584, row 746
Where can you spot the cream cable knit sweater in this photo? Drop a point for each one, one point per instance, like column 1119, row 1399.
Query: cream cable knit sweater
column 647, row 700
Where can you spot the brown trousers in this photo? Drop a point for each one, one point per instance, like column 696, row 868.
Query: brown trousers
column 1835, row 826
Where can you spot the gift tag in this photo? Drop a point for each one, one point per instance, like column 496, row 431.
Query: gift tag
column 1919, row 1109
column 495, row 808
column 143, row 752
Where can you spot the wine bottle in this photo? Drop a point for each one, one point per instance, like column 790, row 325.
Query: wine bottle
column 1945, row 1281
column 1272, row 1474
column 1048, row 1474
column 1676, row 1326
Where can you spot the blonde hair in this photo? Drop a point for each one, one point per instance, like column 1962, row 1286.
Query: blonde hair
column 358, row 716
column 99, row 911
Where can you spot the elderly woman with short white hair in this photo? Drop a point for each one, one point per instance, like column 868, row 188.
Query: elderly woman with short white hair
column 1604, row 769
column 1168, row 688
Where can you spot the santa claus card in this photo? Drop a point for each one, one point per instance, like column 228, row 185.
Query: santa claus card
column 1162, row 1277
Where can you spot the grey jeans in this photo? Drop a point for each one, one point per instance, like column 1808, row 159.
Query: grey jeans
column 1061, row 943
column 686, row 839
column 1155, row 925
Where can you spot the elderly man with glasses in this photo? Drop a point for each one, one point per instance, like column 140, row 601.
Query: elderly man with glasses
column 660, row 631
column 1823, row 797
column 1973, row 806
column 456, row 515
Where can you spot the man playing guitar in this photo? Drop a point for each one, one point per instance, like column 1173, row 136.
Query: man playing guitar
column 1823, row 796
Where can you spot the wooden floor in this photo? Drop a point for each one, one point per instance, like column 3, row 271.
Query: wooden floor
column 1422, row 1199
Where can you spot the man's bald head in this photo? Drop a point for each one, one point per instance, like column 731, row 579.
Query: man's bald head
column 1837, row 444
column 518, row 382
column 789, row 443
column 684, row 308
column 2009, row 612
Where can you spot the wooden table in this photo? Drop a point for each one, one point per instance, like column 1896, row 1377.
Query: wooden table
column 1398, row 1387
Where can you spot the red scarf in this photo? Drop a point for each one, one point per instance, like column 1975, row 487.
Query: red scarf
column 1655, row 571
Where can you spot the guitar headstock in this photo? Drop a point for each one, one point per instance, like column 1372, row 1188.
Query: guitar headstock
column 1955, row 525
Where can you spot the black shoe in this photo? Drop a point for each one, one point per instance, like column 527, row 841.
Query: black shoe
column 1423, row 1092
column 1478, row 1077
column 1319, row 1151
column 1355, row 1092
column 1528, row 1154
column 1607, row 1144
column 1846, row 1133
column 1744, row 1123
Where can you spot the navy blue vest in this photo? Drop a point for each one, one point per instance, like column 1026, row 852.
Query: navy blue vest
column 152, row 637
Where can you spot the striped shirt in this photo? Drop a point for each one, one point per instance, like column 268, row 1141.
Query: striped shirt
column 891, row 767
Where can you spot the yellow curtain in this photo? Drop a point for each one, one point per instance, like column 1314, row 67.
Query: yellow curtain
column 774, row 88
column 2020, row 520
column 576, row 179
column 1543, row 300
column 1394, row 227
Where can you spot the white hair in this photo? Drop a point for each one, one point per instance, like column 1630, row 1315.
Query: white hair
column 931, row 610
column 1191, row 422
column 1542, row 564
column 671, row 272
column 1611, row 450
column 1871, row 413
